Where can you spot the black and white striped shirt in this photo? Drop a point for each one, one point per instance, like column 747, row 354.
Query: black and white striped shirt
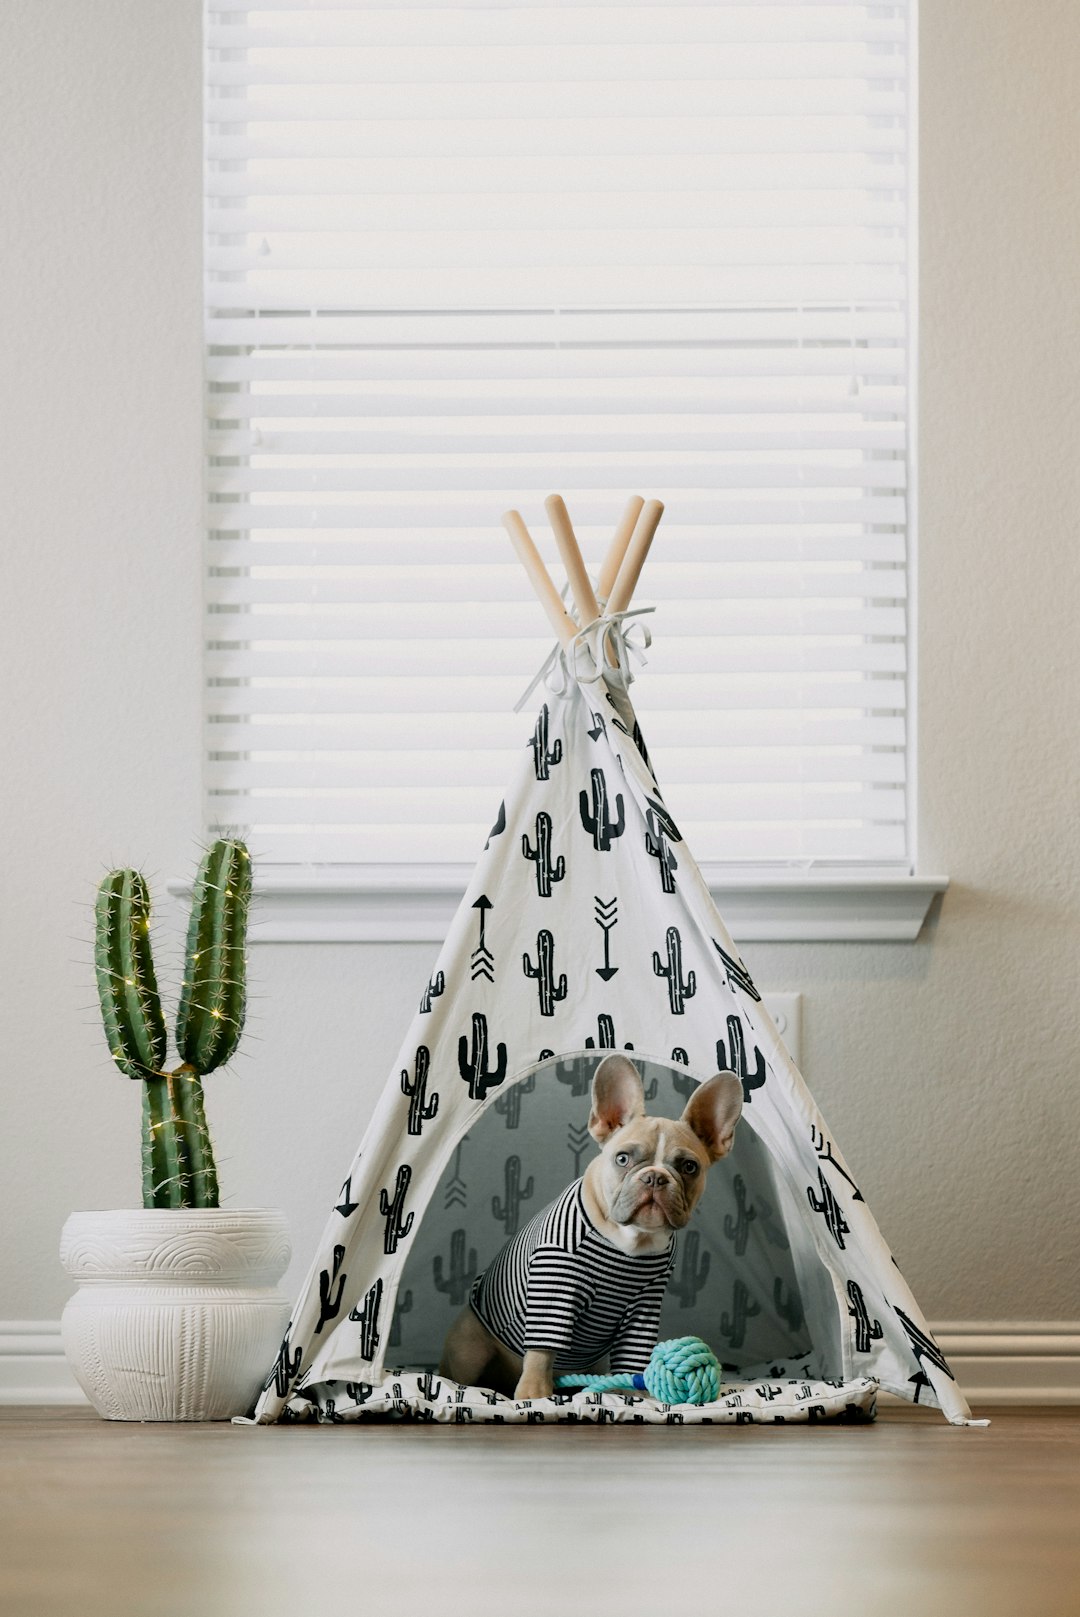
column 560, row 1284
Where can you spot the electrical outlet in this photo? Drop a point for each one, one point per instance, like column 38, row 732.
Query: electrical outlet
column 786, row 1012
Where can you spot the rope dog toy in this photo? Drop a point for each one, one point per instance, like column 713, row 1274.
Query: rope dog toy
column 682, row 1370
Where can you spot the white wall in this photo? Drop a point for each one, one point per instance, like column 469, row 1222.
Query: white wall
column 948, row 1069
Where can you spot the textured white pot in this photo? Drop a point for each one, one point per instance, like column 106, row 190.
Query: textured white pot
column 177, row 1315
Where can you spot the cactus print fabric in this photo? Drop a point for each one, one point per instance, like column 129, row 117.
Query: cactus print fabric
column 588, row 927
column 430, row 1397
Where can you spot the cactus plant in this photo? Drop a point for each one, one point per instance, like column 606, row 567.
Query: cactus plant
column 178, row 1168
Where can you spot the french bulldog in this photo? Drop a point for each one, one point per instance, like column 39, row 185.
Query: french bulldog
column 585, row 1278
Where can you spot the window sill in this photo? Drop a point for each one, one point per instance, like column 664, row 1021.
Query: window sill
column 416, row 903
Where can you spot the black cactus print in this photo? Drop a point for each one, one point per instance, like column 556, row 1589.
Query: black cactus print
column 595, row 817
column 827, row 1205
column 547, row 871
column 404, row 1305
column 367, row 1317
column 421, row 1110
column 693, row 1271
column 660, row 812
column 605, row 1035
column 508, row 1104
column 286, row 1367
column 550, row 990
column 391, row 1207
column 772, row 1230
column 788, row 1304
column 576, row 1075
column 331, row 1286
column 738, row 1063
column 736, row 973
column 743, row 1308
column 598, row 727
column 460, row 1272
column 737, row 1229
column 435, row 987
column 658, row 848
column 867, row 1330
column 544, row 758
column 679, row 990
column 473, row 1062
column 507, row 1208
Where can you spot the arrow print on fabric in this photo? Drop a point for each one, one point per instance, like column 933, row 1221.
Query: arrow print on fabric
column 578, row 1140
column 346, row 1207
column 606, row 917
column 455, row 1195
column 483, row 961
column 824, row 1151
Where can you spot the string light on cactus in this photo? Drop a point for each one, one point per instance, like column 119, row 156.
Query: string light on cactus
column 178, row 1160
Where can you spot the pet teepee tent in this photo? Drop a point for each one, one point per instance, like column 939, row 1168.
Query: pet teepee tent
column 587, row 926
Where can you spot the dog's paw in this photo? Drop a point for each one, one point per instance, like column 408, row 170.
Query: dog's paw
column 534, row 1387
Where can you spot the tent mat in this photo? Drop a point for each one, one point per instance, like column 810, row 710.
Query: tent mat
column 412, row 1397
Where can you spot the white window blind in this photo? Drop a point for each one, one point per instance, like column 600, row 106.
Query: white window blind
column 460, row 256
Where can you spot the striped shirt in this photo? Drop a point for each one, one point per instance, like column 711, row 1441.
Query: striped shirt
column 560, row 1284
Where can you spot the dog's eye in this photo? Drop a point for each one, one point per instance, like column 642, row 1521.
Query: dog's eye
column 622, row 1158
column 689, row 1168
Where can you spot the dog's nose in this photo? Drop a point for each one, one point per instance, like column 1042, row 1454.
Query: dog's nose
column 656, row 1177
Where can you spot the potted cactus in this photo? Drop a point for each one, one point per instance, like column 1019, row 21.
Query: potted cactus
column 177, row 1316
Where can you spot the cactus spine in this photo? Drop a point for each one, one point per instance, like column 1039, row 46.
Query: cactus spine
column 178, row 1166
column 127, row 986
column 213, row 998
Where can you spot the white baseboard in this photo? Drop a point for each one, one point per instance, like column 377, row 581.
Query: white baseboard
column 995, row 1362
column 1013, row 1361
column 33, row 1369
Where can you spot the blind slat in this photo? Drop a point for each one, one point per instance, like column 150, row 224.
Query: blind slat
column 459, row 256
column 817, row 709
column 317, row 554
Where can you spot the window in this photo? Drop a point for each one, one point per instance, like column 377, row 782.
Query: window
column 461, row 256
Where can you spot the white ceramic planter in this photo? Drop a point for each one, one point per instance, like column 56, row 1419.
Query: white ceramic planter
column 177, row 1315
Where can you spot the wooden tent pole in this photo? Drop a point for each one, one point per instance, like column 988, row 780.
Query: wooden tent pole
column 644, row 531
column 570, row 551
column 539, row 577
column 617, row 548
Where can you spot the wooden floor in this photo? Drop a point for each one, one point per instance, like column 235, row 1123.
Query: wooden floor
column 909, row 1516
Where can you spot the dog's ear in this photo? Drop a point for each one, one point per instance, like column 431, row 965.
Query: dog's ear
column 713, row 1111
column 617, row 1097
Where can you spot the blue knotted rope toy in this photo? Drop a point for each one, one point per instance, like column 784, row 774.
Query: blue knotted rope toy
column 682, row 1370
